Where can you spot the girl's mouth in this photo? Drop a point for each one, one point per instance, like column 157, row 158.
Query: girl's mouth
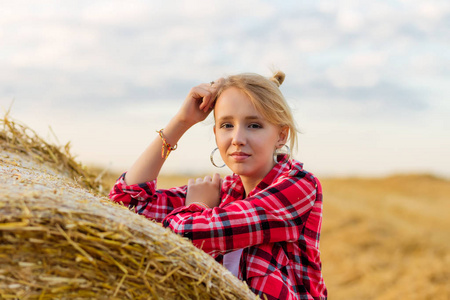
column 239, row 156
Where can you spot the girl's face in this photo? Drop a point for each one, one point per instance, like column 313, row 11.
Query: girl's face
column 245, row 139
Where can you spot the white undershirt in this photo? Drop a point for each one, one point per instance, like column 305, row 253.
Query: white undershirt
column 231, row 261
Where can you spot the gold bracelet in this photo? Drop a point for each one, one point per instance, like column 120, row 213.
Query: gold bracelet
column 166, row 147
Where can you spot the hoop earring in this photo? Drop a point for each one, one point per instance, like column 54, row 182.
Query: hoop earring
column 286, row 154
column 211, row 157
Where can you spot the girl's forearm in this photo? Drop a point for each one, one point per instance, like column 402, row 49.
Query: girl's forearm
column 149, row 164
column 196, row 107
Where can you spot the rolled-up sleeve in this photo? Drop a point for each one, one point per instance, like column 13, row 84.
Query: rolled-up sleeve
column 145, row 199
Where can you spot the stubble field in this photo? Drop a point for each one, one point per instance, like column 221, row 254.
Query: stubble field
column 382, row 238
column 387, row 238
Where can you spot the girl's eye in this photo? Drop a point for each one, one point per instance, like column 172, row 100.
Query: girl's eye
column 226, row 125
column 255, row 125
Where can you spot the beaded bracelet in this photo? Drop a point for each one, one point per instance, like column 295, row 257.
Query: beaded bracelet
column 166, row 147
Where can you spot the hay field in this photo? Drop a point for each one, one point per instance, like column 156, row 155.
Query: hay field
column 383, row 238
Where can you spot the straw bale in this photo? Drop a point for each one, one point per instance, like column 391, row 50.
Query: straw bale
column 58, row 240
column 22, row 139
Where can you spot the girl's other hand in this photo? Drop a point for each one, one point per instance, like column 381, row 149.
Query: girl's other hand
column 204, row 190
column 199, row 102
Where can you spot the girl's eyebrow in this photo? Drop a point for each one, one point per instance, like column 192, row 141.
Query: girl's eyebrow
column 226, row 118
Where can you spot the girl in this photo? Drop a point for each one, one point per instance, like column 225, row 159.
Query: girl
column 263, row 222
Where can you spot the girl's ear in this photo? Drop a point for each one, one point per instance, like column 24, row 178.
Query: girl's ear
column 283, row 136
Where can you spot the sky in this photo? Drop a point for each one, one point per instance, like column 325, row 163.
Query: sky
column 368, row 81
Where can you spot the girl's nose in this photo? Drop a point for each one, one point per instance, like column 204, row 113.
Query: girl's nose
column 238, row 136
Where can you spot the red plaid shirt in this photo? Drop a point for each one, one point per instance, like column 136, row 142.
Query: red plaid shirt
column 277, row 225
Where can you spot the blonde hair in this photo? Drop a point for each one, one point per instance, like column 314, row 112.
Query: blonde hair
column 267, row 98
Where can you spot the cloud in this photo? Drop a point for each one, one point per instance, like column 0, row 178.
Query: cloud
column 359, row 70
column 359, row 63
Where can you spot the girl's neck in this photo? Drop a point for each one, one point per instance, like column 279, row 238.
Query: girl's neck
column 249, row 184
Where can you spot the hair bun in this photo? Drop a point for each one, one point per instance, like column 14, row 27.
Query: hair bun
column 278, row 78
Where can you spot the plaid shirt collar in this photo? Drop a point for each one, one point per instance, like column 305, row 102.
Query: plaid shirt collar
column 237, row 187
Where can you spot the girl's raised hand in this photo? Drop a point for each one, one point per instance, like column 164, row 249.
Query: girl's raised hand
column 199, row 102
column 204, row 190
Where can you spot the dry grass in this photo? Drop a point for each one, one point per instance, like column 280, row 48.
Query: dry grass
column 387, row 238
column 60, row 241
column 20, row 138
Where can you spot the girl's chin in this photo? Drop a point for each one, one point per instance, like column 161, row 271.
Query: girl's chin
column 237, row 168
column 247, row 170
column 241, row 170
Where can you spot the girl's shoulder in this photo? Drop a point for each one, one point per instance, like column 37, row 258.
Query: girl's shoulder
column 293, row 171
column 297, row 171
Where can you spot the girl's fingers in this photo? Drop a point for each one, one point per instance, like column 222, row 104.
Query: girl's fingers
column 205, row 98
column 199, row 93
column 207, row 92
column 216, row 179
column 214, row 87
